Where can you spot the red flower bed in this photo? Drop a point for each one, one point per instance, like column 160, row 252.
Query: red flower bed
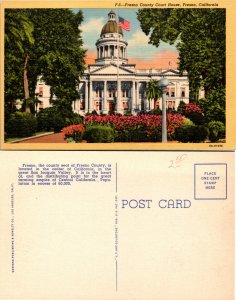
column 191, row 107
column 147, row 122
column 73, row 131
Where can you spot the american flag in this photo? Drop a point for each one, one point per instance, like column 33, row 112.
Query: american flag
column 124, row 24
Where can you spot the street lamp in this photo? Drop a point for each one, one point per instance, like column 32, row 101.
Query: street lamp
column 163, row 83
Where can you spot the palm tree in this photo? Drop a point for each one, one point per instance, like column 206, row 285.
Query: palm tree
column 153, row 91
column 19, row 34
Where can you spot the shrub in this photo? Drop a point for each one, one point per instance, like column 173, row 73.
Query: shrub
column 99, row 134
column 196, row 117
column 213, row 106
column 156, row 111
column 191, row 133
column 49, row 119
column 127, row 113
column 181, row 106
column 157, row 135
column 138, row 135
column 216, row 130
column 21, row 124
column 202, row 134
column 191, row 108
column 188, row 122
column 75, row 119
column 55, row 118
column 73, row 132
column 171, row 111
column 191, row 111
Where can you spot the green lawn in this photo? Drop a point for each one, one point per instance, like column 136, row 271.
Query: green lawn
column 12, row 139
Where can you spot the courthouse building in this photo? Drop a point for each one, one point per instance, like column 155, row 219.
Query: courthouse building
column 113, row 84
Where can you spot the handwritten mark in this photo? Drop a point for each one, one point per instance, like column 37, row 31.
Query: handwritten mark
column 178, row 161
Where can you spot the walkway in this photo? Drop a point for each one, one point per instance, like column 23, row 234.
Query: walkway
column 51, row 138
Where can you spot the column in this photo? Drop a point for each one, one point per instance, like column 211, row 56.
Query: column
column 104, row 106
column 91, row 107
column 78, row 105
column 133, row 100
column 86, row 97
column 118, row 104
column 151, row 101
column 109, row 50
column 137, row 96
column 178, row 95
column 75, row 106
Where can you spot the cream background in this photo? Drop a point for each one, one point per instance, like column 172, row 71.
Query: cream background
column 64, row 236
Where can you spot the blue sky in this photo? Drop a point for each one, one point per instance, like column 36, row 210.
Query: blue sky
column 138, row 47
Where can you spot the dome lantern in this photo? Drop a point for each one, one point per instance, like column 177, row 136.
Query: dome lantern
column 111, row 26
column 112, row 15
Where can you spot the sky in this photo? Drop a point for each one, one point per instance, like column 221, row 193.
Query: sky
column 139, row 51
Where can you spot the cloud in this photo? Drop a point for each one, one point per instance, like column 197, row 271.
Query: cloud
column 162, row 60
column 90, row 57
column 137, row 39
column 93, row 25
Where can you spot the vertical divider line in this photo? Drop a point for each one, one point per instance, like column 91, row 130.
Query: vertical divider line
column 116, row 227
column 116, row 179
column 116, row 275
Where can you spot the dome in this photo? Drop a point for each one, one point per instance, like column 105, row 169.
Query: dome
column 111, row 25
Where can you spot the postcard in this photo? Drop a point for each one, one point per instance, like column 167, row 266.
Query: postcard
column 117, row 225
column 118, row 75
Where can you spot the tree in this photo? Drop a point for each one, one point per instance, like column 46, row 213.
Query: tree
column 56, row 55
column 59, row 53
column 18, row 38
column 199, row 35
column 153, row 91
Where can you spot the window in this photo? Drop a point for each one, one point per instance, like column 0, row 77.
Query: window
column 111, row 93
column 125, row 106
column 156, row 104
column 172, row 92
column 82, row 104
column 96, row 106
column 98, row 93
column 112, row 51
column 171, row 105
column 124, row 93
column 183, row 92
column 40, row 91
